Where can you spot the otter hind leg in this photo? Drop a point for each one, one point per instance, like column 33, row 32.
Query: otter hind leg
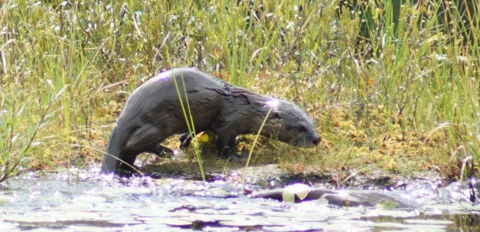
column 144, row 139
column 185, row 140
column 160, row 151
column 126, row 169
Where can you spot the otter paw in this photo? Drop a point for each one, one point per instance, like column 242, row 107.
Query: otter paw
column 161, row 151
column 185, row 140
column 238, row 157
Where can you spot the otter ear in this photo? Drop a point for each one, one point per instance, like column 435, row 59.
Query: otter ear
column 275, row 114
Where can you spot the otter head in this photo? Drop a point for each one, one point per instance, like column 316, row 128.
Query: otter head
column 291, row 124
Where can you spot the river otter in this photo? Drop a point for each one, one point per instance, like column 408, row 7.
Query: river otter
column 153, row 112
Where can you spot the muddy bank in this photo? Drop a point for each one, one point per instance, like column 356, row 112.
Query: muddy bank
column 274, row 176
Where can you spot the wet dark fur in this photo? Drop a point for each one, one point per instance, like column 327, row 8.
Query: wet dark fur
column 153, row 112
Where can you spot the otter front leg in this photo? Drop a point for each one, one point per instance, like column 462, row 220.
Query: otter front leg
column 226, row 147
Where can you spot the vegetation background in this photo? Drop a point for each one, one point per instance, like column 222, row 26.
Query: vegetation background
column 391, row 85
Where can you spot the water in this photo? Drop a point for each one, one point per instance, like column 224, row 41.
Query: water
column 85, row 201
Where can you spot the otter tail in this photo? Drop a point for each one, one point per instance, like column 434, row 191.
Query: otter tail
column 111, row 160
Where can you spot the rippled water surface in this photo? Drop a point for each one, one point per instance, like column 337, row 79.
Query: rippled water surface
column 85, row 201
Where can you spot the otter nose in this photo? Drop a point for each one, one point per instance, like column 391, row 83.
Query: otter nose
column 316, row 140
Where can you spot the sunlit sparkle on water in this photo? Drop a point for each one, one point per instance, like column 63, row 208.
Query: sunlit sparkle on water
column 83, row 200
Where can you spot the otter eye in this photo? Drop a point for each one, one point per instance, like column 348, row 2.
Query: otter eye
column 303, row 128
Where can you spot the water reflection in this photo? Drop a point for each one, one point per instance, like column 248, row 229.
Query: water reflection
column 83, row 201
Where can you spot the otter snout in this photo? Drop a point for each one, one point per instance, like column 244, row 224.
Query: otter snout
column 316, row 139
column 307, row 141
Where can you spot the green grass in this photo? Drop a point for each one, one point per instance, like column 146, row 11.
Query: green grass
column 392, row 87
